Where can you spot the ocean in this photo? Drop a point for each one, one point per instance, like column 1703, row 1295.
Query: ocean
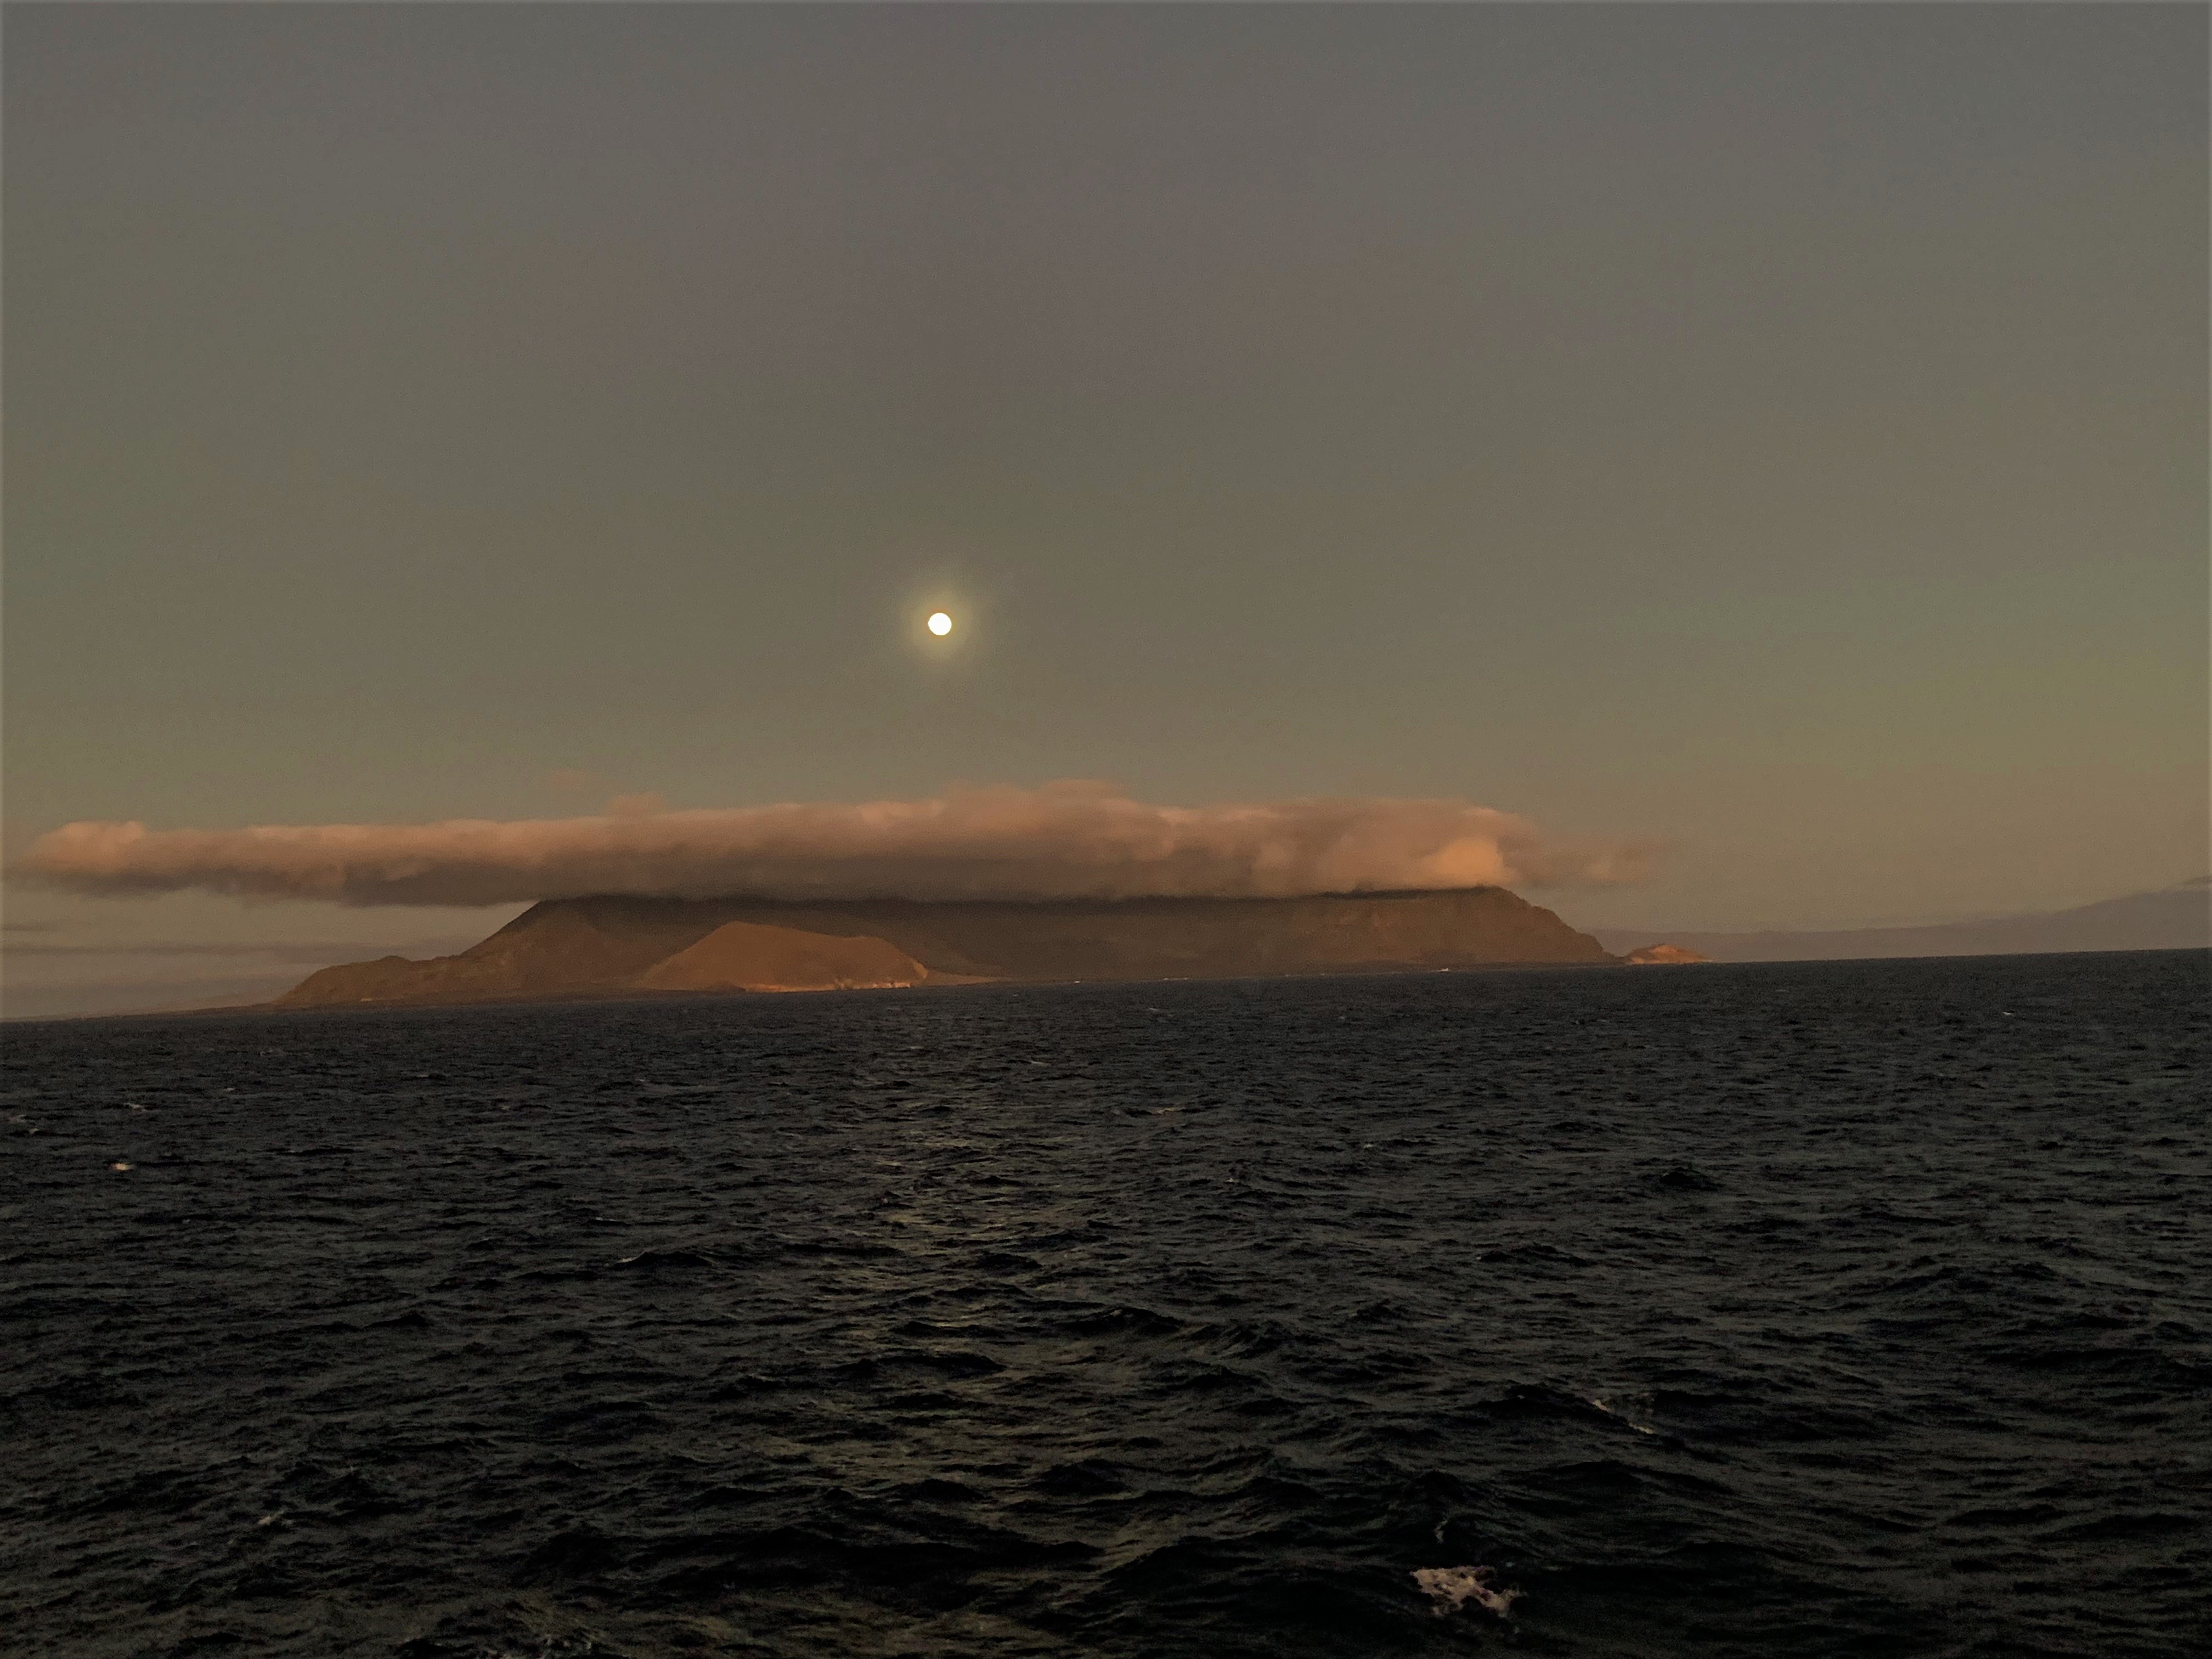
column 1780, row 1309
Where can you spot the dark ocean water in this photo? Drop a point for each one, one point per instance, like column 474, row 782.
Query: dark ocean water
column 1828, row 1309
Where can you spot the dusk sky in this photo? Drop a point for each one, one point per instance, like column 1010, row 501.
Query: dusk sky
column 1772, row 435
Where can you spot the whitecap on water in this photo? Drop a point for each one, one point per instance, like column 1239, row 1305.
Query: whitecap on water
column 1610, row 1410
column 1449, row 1588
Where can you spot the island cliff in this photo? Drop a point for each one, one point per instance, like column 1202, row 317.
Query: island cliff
column 626, row 946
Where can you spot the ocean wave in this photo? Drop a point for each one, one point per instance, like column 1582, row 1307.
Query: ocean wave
column 860, row 1326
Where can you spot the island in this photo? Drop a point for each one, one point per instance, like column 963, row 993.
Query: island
column 621, row 946
column 1662, row 956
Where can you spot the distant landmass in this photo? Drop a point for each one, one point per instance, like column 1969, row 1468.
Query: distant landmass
column 2172, row 918
column 1662, row 956
column 636, row 946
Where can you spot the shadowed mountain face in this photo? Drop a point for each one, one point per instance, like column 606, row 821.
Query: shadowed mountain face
column 611, row 946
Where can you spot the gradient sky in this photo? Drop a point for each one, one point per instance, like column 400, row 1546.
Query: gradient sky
column 1777, row 430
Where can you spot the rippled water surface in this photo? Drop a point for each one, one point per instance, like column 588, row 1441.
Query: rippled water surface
column 1791, row 1309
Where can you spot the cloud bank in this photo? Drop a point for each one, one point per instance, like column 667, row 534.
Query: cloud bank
column 1071, row 840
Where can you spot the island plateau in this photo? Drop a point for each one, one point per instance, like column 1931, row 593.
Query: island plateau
column 619, row 946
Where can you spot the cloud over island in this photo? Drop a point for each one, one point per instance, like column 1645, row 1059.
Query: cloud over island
column 1067, row 840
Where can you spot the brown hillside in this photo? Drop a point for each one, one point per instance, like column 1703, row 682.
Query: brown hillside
column 747, row 955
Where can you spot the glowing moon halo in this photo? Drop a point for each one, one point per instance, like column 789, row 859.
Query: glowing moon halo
column 939, row 623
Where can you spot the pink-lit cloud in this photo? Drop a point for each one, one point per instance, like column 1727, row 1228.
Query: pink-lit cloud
column 1070, row 839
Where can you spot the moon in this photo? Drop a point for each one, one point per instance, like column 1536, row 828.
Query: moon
column 939, row 623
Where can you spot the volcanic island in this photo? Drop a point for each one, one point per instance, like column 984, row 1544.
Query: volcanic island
column 581, row 948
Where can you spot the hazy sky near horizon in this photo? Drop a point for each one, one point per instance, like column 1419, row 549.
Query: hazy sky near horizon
column 1778, row 431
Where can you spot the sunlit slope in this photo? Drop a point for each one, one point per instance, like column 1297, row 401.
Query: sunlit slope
column 749, row 956
column 613, row 947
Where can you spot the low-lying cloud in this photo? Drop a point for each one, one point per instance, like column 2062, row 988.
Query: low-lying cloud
column 1071, row 840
